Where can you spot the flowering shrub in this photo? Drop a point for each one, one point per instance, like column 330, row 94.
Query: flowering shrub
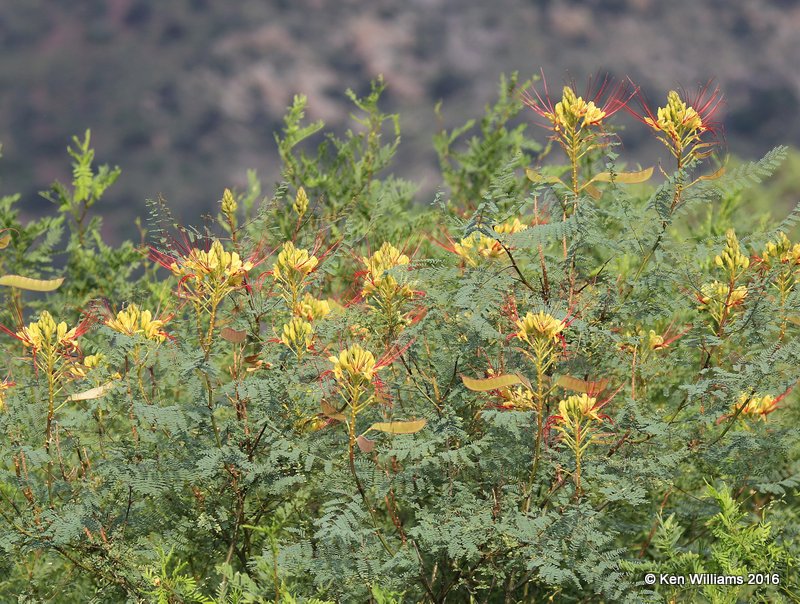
column 588, row 381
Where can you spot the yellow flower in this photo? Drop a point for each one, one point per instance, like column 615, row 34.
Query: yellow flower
column 758, row 407
column 293, row 264
column 578, row 405
column 93, row 360
column 213, row 272
column 90, row 361
column 45, row 334
column 774, row 250
column 654, row 340
column 518, row 397
column 465, row 247
column 676, row 119
column 731, row 259
column 151, row 328
column 297, row 335
column 312, row 309
column 487, row 247
column 737, row 295
column 514, row 226
column 717, row 294
column 491, row 248
column 354, row 365
column 385, row 259
column 300, row 202
column 126, row 322
column 229, row 205
column 781, row 251
column 540, row 326
column 572, row 112
column 721, row 299
column 132, row 321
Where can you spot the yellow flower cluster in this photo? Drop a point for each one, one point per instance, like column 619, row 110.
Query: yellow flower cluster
column 731, row 260
column 290, row 271
column 385, row 259
column 229, row 205
column 539, row 327
column 90, row 361
column 354, row 366
column 758, row 407
column 716, row 296
column 654, row 340
column 292, row 266
column 131, row 322
column 573, row 113
column 518, row 397
column 45, row 335
column 312, row 309
column 486, row 246
column 578, row 406
column 297, row 335
column 382, row 291
column 781, row 251
column 720, row 298
column 300, row 204
column 476, row 242
column 513, row 226
column 576, row 419
column 677, row 119
column 204, row 273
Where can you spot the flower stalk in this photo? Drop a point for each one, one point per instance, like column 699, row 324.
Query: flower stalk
column 353, row 369
column 54, row 351
column 681, row 126
column 541, row 332
column 578, row 421
column 207, row 277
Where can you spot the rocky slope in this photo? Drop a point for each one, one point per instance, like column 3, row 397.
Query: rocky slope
column 186, row 95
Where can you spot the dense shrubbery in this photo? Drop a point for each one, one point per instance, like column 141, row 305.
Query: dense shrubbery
column 552, row 383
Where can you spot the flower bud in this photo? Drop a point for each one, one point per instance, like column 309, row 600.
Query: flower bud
column 300, row 202
column 354, row 365
column 229, row 205
column 297, row 335
column 539, row 326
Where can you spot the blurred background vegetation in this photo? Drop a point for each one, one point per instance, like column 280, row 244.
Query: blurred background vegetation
column 185, row 96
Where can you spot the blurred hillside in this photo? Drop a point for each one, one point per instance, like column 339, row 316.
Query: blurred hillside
column 185, row 95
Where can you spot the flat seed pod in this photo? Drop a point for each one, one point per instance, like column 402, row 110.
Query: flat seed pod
column 34, row 285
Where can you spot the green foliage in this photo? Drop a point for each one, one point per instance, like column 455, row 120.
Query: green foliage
column 87, row 186
column 731, row 547
column 341, row 178
column 170, row 584
column 468, row 171
column 522, row 394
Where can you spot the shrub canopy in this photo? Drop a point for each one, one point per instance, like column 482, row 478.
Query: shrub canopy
column 554, row 379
